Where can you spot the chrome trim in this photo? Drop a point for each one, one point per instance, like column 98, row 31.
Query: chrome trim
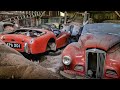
column 26, row 49
column 98, row 62
column 68, row 58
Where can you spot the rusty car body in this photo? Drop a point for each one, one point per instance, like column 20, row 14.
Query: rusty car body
column 96, row 55
column 34, row 40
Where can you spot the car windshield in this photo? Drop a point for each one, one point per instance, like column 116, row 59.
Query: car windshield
column 103, row 28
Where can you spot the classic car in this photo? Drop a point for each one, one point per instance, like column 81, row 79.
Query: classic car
column 96, row 55
column 34, row 40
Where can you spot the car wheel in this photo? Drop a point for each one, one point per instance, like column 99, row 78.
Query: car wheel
column 51, row 46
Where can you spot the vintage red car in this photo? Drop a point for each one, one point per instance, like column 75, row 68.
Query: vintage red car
column 34, row 40
column 96, row 55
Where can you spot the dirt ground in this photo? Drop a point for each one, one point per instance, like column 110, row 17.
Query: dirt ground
column 50, row 62
column 53, row 63
column 14, row 65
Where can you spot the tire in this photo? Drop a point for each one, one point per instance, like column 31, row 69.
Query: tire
column 51, row 46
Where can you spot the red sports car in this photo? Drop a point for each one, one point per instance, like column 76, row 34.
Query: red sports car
column 34, row 40
column 95, row 55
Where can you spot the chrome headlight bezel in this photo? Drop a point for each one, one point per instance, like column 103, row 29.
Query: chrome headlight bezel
column 67, row 60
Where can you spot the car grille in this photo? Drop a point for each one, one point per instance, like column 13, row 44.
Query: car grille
column 95, row 59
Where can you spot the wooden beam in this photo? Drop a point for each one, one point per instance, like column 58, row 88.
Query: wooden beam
column 117, row 13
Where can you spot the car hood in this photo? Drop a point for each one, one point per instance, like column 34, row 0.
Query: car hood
column 97, row 40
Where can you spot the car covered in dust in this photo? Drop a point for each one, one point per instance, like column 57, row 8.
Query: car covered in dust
column 96, row 55
column 34, row 40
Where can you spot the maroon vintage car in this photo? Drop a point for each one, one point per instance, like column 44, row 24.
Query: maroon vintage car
column 96, row 54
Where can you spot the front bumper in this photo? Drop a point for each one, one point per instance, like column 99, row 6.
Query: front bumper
column 71, row 76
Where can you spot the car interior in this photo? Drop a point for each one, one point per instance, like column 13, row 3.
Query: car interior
column 31, row 33
column 56, row 31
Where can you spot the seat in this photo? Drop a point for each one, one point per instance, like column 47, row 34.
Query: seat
column 56, row 32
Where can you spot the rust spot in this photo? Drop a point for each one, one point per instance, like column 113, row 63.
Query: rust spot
column 89, row 37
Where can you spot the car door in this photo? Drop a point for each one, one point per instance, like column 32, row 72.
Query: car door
column 62, row 39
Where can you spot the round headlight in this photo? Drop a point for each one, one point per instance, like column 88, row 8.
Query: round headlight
column 67, row 60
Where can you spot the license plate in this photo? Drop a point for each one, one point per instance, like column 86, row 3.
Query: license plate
column 14, row 45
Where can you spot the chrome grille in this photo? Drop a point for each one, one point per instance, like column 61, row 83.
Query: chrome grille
column 95, row 63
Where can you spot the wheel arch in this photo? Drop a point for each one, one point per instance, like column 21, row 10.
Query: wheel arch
column 52, row 39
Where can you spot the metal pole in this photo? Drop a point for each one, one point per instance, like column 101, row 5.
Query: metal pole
column 117, row 13
column 65, row 17
column 85, row 19
column 42, row 15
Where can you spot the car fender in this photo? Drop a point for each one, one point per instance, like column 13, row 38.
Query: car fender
column 41, row 43
column 72, row 49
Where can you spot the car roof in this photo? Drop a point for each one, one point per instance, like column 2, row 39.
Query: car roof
column 108, row 28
